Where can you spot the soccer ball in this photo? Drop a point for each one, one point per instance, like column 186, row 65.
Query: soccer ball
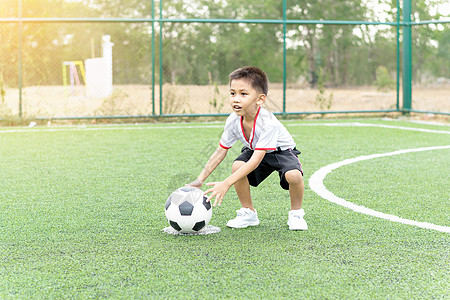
column 187, row 210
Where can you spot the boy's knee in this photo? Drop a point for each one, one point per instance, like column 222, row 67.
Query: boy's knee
column 236, row 165
column 293, row 177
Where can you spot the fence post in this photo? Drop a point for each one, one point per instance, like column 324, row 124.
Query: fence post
column 160, row 58
column 284, row 57
column 20, row 58
column 397, row 85
column 407, row 60
column 153, row 57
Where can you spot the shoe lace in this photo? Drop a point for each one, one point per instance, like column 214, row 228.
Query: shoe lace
column 298, row 215
column 242, row 212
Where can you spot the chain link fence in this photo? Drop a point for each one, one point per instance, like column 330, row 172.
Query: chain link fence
column 92, row 59
column 431, row 67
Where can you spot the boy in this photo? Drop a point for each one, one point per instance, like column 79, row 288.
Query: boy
column 268, row 147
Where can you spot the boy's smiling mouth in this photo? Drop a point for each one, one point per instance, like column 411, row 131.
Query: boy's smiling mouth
column 236, row 107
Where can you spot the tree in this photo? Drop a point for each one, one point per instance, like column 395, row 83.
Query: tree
column 430, row 57
column 203, row 52
column 327, row 46
column 192, row 51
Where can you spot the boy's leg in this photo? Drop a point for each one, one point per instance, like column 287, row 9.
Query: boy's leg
column 296, row 188
column 242, row 187
column 247, row 215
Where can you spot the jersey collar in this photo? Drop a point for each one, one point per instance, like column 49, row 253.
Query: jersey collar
column 252, row 134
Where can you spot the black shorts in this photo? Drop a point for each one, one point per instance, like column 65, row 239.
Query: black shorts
column 281, row 161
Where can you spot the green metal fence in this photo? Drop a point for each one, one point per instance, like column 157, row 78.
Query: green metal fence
column 171, row 58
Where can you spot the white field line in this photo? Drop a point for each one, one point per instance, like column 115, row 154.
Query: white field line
column 316, row 184
column 429, row 123
column 358, row 124
column 104, row 128
column 150, row 127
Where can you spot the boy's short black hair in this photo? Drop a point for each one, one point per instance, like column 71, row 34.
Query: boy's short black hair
column 255, row 76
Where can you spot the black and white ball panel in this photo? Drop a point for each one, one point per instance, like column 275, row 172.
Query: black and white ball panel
column 187, row 210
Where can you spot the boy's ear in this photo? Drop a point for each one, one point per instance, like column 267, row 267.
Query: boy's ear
column 261, row 99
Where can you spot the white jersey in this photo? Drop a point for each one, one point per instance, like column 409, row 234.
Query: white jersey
column 267, row 134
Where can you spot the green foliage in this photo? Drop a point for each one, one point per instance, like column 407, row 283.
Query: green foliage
column 350, row 54
column 442, row 53
column 218, row 101
column 431, row 55
column 7, row 118
column 112, row 105
column 384, row 81
column 173, row 101
column 2, row 88
column 321, row 99
column 82, row 217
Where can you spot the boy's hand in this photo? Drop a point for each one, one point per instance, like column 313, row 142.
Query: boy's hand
column 218, row 190
column 196, row 183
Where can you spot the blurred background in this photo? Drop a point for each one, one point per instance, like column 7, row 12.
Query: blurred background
column 129, row 58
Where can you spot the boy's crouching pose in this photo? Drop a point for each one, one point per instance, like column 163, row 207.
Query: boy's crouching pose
column 268, row 147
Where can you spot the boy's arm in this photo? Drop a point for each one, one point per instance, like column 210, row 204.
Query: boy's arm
column 220, row 188
column 215, row 159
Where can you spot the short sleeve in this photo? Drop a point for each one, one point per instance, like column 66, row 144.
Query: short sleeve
column 268, row 138
column 228, row 136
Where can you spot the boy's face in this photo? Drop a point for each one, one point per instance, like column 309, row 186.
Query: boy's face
column 244, row 99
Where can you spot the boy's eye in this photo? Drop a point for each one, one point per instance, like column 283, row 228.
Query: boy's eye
column 232, row 93
column 243, row 94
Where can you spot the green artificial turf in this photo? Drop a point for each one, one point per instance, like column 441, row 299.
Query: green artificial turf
column 82, row 213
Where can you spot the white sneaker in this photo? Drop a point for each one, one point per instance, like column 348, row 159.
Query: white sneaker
column 296, row 221
column 245, row 217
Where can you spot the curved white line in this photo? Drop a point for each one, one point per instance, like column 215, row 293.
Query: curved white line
column 316, row 180
column 316, row 184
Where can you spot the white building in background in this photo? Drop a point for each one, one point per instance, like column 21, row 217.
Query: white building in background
column 99, row 71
